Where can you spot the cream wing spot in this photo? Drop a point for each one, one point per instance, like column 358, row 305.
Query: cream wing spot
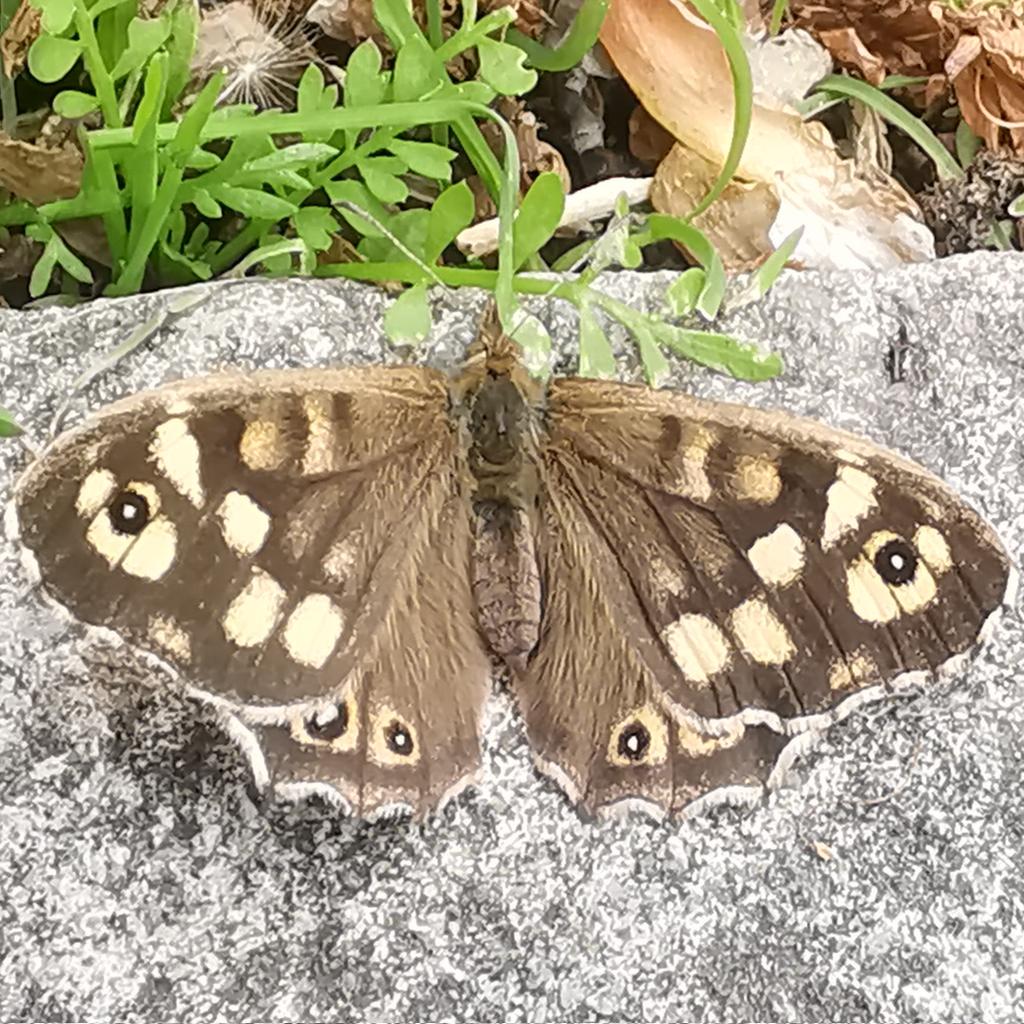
column 842, row 675
column 340, row 560
column 243, row 524
column 313, row 630
column 666, row 578
column 168, row 635
column 778, row 557
column 697, row 646
column 760, row 634
column 869, row 595
column 96, row 490
column 850, row 497
column 693, row 743
column 691, row 480
column 152, row 554
column 106, row 541
column 253, row 615
column 320, row 442
column 755, row 478
column 263, row 445
column 175, row 452
column 932, row 547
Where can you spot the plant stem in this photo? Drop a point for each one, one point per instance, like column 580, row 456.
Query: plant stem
column 101, row 80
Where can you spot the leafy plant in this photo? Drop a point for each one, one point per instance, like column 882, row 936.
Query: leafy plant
column 221, row 189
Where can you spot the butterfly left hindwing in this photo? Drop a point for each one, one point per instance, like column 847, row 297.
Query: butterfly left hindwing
column 295, row 543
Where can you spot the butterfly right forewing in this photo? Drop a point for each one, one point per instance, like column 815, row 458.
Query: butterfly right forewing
column 291, row 518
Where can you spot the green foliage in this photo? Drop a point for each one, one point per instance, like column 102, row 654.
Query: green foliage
column 188, row 189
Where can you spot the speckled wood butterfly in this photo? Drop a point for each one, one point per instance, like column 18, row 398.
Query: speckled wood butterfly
column 677, row 588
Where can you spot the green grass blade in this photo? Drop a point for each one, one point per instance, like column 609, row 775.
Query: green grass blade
column 897, row 115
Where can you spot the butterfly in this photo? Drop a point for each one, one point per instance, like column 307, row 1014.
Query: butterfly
column 678, row 590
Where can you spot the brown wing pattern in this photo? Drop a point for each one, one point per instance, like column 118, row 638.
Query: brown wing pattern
column 288, row 519
column 741, row 565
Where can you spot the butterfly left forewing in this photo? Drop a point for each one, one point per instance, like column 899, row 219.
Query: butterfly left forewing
column 738, row 556
column 289, row 517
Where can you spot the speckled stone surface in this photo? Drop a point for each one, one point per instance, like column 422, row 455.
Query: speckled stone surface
column 140, row 882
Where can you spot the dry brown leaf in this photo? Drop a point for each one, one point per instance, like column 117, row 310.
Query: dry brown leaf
column 738, row 222
column 18, row 256
column 985, row 62
column 20, row 34
column 875, row 37
column 351, row 21
column 851, row 218
column 649, row 142
column 535, row 155
column 37, row 174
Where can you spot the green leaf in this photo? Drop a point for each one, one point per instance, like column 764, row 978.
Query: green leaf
column 471, row 92
column 43, row 270
column 682, row 294
column 57, row 14
column 537, row 217
column 202, row 160
column 316, row 226
column 385, row 185
column 721, row 352
column 50, row 58
column 502, row 67
column 8, row 425
column 1016, row 207
column 365, row 86
column 181, row 44
column 197, row 240
column 450, row 213
column 417, row 71
column 313, row 97
column 356, row 194
column 54, row 253
column 190, row 127
column 576, row 43
column 205, row 203
column 252, row 202
column 72, row 104
column 283, row 179
column 200, row 268
column 425, row 158
column 661, row 225
column 596, row 356
column 301, row 154
column 966, row 143
column 773, row 266
column 274, row 252
column 145, row 37
column 409, row 227
column 395, row 18
column 407, row 320
column 655, row 363
column 102, row 6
